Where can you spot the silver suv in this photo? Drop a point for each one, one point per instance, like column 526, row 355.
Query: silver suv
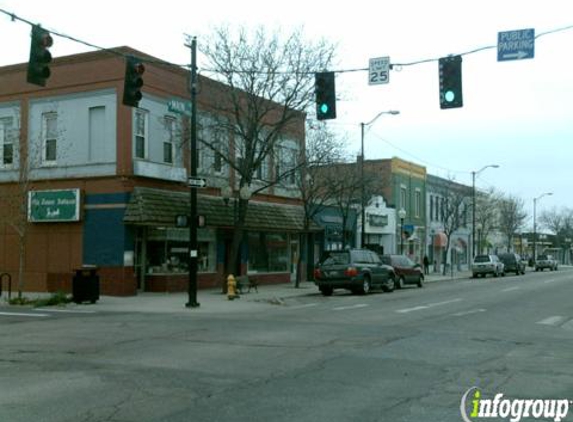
column 546, row 261
column 487, row 264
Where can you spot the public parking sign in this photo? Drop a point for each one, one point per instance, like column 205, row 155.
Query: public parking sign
column 516, row 45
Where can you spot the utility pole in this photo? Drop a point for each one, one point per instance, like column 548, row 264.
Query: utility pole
column 193, row 252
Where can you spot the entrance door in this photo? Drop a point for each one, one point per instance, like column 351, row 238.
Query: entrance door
column 294, row 257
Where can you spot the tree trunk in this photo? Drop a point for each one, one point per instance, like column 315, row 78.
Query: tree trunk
column 21, row 259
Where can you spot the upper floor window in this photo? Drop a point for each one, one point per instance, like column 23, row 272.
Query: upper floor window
column 169, row 142
column 285, row 167
column 418, row 202
column 6, row 141
column 431, row 208
column 403, row 198
column 49, row 137
column 141, row 133
column 213, row 145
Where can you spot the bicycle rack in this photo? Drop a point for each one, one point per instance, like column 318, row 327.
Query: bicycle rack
column 2, row 276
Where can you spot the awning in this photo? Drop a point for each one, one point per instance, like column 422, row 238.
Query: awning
column 157, row 207
column 440, row 240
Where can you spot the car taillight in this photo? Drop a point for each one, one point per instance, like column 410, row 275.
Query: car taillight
column 351, row 272
column 317, row 273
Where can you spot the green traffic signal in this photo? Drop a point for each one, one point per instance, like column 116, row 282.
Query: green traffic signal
column 40, row 56
column 325, row 95
column 133, row 82
column 450, row 69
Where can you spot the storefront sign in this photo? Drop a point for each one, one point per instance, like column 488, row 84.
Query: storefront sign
column 49, row 206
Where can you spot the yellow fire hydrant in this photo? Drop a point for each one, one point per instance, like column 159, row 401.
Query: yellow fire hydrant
column 231, row 287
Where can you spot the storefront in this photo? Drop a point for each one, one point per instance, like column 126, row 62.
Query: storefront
column 269, row 252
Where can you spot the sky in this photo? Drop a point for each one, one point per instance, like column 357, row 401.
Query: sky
column 516, row 114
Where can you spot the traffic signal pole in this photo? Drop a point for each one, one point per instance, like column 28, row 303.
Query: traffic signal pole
column 193, row 252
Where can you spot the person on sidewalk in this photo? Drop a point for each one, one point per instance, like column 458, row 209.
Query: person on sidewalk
column 426, row 265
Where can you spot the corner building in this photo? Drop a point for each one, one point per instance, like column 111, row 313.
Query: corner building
column 93, row 182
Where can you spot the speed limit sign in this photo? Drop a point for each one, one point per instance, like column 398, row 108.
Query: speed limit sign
column 379, row 71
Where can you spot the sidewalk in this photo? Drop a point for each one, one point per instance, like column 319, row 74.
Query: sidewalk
column 211, row 301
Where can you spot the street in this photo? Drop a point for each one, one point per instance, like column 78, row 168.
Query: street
column 403, row 356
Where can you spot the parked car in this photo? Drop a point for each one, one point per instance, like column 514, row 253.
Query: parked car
column 512, row 263
column 357, row 270
column 406, row 270
column 546, row 261
column 487, row 264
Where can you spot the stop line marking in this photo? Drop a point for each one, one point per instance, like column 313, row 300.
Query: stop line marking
column 357, row 306
column 24, row 314
column 428, row 306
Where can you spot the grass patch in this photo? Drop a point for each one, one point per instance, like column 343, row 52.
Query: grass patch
column 56, row 299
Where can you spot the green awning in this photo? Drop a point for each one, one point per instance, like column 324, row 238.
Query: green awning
column 157, row 207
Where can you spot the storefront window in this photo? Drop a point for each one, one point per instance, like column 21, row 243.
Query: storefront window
column 167, row 250
column 268, row 252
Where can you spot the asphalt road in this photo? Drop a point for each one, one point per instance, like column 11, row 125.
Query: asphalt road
column 403, row 356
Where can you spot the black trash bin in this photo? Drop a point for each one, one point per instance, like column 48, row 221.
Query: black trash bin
column 85, row 285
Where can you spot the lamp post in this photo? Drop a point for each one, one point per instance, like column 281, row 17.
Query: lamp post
column 535, row 225
column 474, row 173
column 402, row 215
column 362, row 194
column 479, row 239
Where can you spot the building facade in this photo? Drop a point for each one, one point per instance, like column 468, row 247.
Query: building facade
column 448, row 212
column 86, row 180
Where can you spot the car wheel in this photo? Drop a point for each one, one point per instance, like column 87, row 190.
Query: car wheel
column 401, row 282
column 421, row 281
column 326, row 290
column 365, row 286
column 390, row 286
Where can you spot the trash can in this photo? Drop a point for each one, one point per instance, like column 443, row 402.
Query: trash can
column 85, row 285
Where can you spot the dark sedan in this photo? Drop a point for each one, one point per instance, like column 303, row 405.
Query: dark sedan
column 407, row 271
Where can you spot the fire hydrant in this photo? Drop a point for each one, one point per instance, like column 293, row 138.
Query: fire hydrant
column 231, row 287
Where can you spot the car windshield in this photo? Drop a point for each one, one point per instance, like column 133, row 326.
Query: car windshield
column 542, row 257
column 482, row 258
column 335, row 258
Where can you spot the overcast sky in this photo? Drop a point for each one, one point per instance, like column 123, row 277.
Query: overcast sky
column 516, row 114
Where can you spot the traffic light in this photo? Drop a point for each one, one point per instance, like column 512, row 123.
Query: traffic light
column 325, row 95
column 40, row 57
column 133, row 81
column 451, row 82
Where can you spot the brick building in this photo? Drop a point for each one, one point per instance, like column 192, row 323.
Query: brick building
column 99, row 183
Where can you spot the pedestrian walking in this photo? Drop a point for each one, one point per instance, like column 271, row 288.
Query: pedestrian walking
column 426, row 265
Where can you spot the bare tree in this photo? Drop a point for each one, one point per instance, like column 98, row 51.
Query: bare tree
column 268, row 85
column 14, row 198
column 454, row 211
column 486, row 214
column 323, row 148
column 512, row 215
column 560, row 222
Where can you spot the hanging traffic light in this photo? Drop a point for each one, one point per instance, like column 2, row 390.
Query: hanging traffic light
column 451, row 82
column 133, row 82
column 325, row 95
column 40, row 56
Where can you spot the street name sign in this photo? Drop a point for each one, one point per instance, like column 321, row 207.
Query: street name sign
column 179, row 107
column 516, row 45
column 379, row 71
column 197, row 182
column 51, row 206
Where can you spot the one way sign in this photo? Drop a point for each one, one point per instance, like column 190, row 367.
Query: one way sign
column 197, row 182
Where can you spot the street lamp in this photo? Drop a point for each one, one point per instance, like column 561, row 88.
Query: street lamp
column 363, row 211
column 535, row 225
column 402, row 215
column 474, row 173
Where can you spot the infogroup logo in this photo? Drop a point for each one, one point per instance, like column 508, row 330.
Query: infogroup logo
column 473, row 406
